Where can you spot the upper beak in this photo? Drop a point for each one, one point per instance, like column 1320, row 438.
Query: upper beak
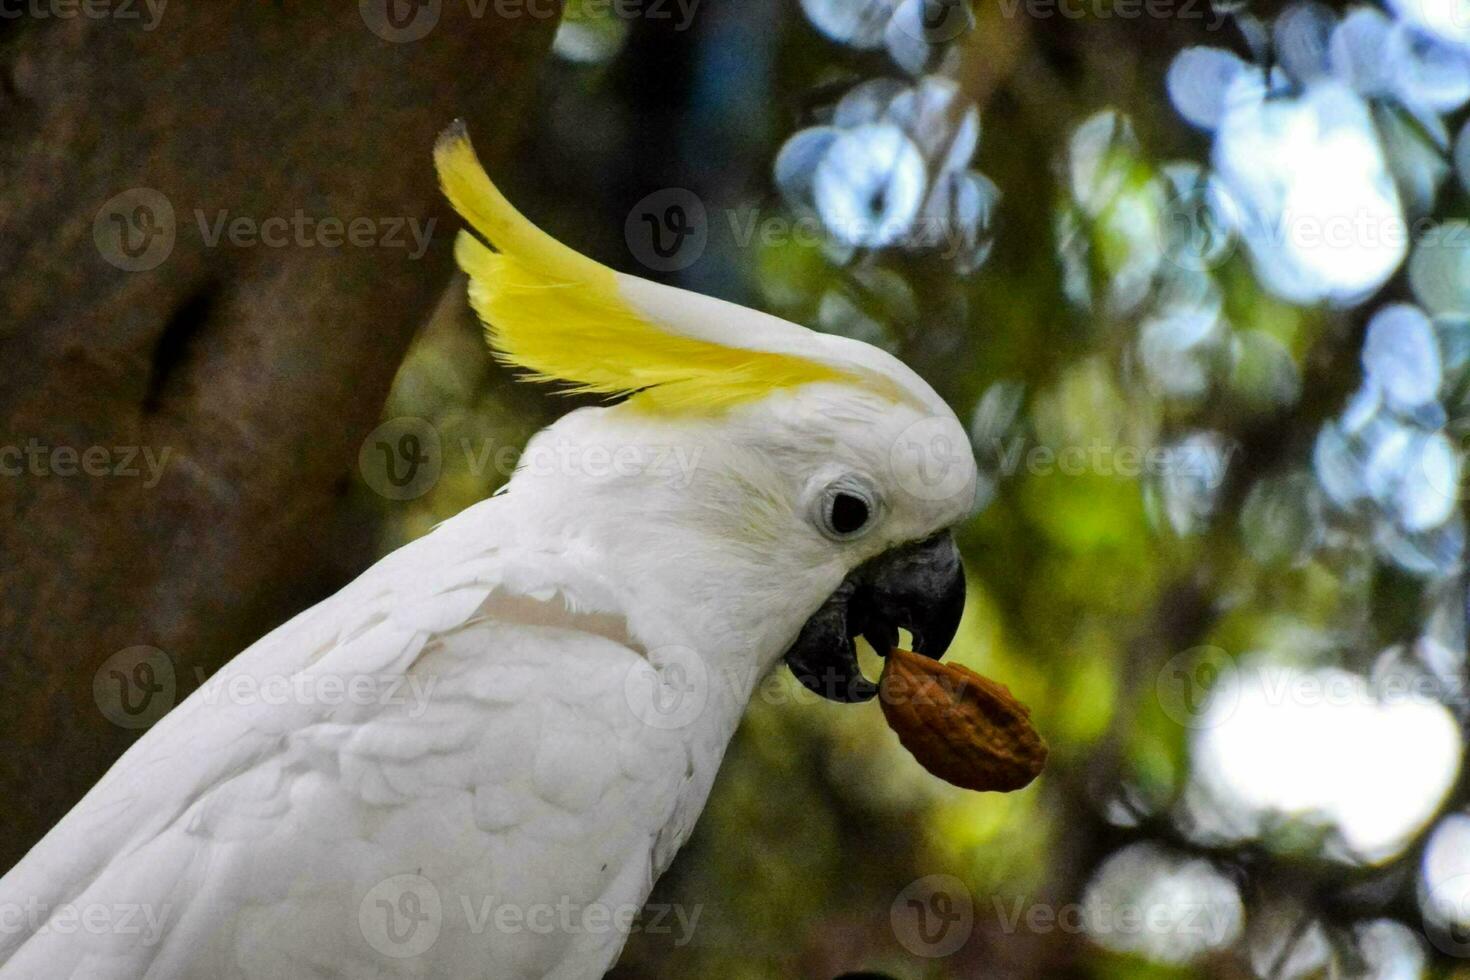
column 919, row 587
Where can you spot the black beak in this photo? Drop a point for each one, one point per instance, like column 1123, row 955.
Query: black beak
column 919, row 587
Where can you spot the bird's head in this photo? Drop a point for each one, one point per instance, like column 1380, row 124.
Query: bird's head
column 791, row 490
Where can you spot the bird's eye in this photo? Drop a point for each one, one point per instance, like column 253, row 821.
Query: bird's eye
column 847, row 510
column 849, row 513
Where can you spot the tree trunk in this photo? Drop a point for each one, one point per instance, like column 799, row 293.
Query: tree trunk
column 211, row 273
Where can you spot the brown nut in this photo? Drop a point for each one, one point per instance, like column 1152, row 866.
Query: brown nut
column 963, row 728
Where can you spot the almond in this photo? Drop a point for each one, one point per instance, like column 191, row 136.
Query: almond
column 963, row 728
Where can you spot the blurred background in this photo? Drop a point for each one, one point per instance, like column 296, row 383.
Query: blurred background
column 1197, row 276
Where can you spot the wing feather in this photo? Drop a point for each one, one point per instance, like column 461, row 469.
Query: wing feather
column 487, row 757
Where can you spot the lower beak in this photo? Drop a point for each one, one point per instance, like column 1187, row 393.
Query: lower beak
column 919, row 587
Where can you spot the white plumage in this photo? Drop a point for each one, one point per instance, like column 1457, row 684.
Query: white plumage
column 494, row 759
column 476, row 759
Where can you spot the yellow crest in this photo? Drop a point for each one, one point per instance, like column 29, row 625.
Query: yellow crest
column 562, row 316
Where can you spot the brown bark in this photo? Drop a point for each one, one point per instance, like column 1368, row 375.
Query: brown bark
column 258, row 368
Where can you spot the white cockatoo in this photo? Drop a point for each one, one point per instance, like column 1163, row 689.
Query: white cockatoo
column 476, row 759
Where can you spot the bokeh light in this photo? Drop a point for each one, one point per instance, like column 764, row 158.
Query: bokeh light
column 1281, row 744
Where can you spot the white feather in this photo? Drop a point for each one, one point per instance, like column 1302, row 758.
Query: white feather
column 480, row 756
column 465, row 727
